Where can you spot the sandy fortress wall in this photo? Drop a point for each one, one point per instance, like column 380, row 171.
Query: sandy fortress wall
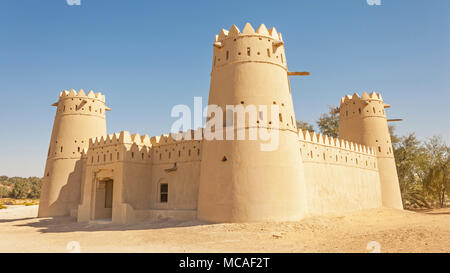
column 341, row 175
column 128, row 178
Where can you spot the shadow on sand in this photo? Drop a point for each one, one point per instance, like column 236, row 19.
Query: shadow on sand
column 69, row 224
column 14, row 220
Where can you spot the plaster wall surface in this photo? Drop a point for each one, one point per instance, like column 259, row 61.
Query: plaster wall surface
column 340, row 176
column 79, row 117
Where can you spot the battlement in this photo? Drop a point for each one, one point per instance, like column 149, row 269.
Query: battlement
column 119, row 147
column 321, row 149
column 365, row 97
column 123, row 137
column 172, row 138
column 305, row 135
column 179, row 147
column 72, row 94
column 78, row 103
column 248, row 29
column 262, row 45
column 362, row 106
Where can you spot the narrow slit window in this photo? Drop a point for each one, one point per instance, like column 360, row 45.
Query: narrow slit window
column 164, row 193
column 281, row 117
column 248, row 51
column 268, row 52
column 228, row 54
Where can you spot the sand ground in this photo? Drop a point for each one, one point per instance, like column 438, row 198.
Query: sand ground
column 383, row 230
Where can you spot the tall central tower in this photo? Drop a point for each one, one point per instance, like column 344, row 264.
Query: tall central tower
column 239, row 181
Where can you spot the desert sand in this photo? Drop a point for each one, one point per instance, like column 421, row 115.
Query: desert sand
column 381, row 230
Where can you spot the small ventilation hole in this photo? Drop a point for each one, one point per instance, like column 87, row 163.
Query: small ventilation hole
column 224, row 159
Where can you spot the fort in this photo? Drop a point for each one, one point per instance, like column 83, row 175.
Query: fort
column 130, row 177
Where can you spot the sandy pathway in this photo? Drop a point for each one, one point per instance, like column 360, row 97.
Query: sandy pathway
column 388, row 230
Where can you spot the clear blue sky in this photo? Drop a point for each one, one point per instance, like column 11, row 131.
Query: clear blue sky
column 147, row 56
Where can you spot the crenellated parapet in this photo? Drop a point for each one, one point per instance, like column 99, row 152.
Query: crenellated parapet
column 262, row 45
column 78, row 103
column 363, row 119
column 124, row 146
column 362, row 107
column 324, row 149
column 181, row 147
column 119, row 147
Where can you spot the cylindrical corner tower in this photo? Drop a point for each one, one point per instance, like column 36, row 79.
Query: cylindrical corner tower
column 79, row 117
column 240, row 181
column 363, row 120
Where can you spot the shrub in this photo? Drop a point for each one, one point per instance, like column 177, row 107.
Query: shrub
column 21, row 189
column 4, row 192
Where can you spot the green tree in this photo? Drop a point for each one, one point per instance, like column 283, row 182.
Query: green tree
column 411, row 162
column 305, row 126
column 328, row 123
column 21, row 189
column 4, row 192
column 35, row 191
column 436, row 181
